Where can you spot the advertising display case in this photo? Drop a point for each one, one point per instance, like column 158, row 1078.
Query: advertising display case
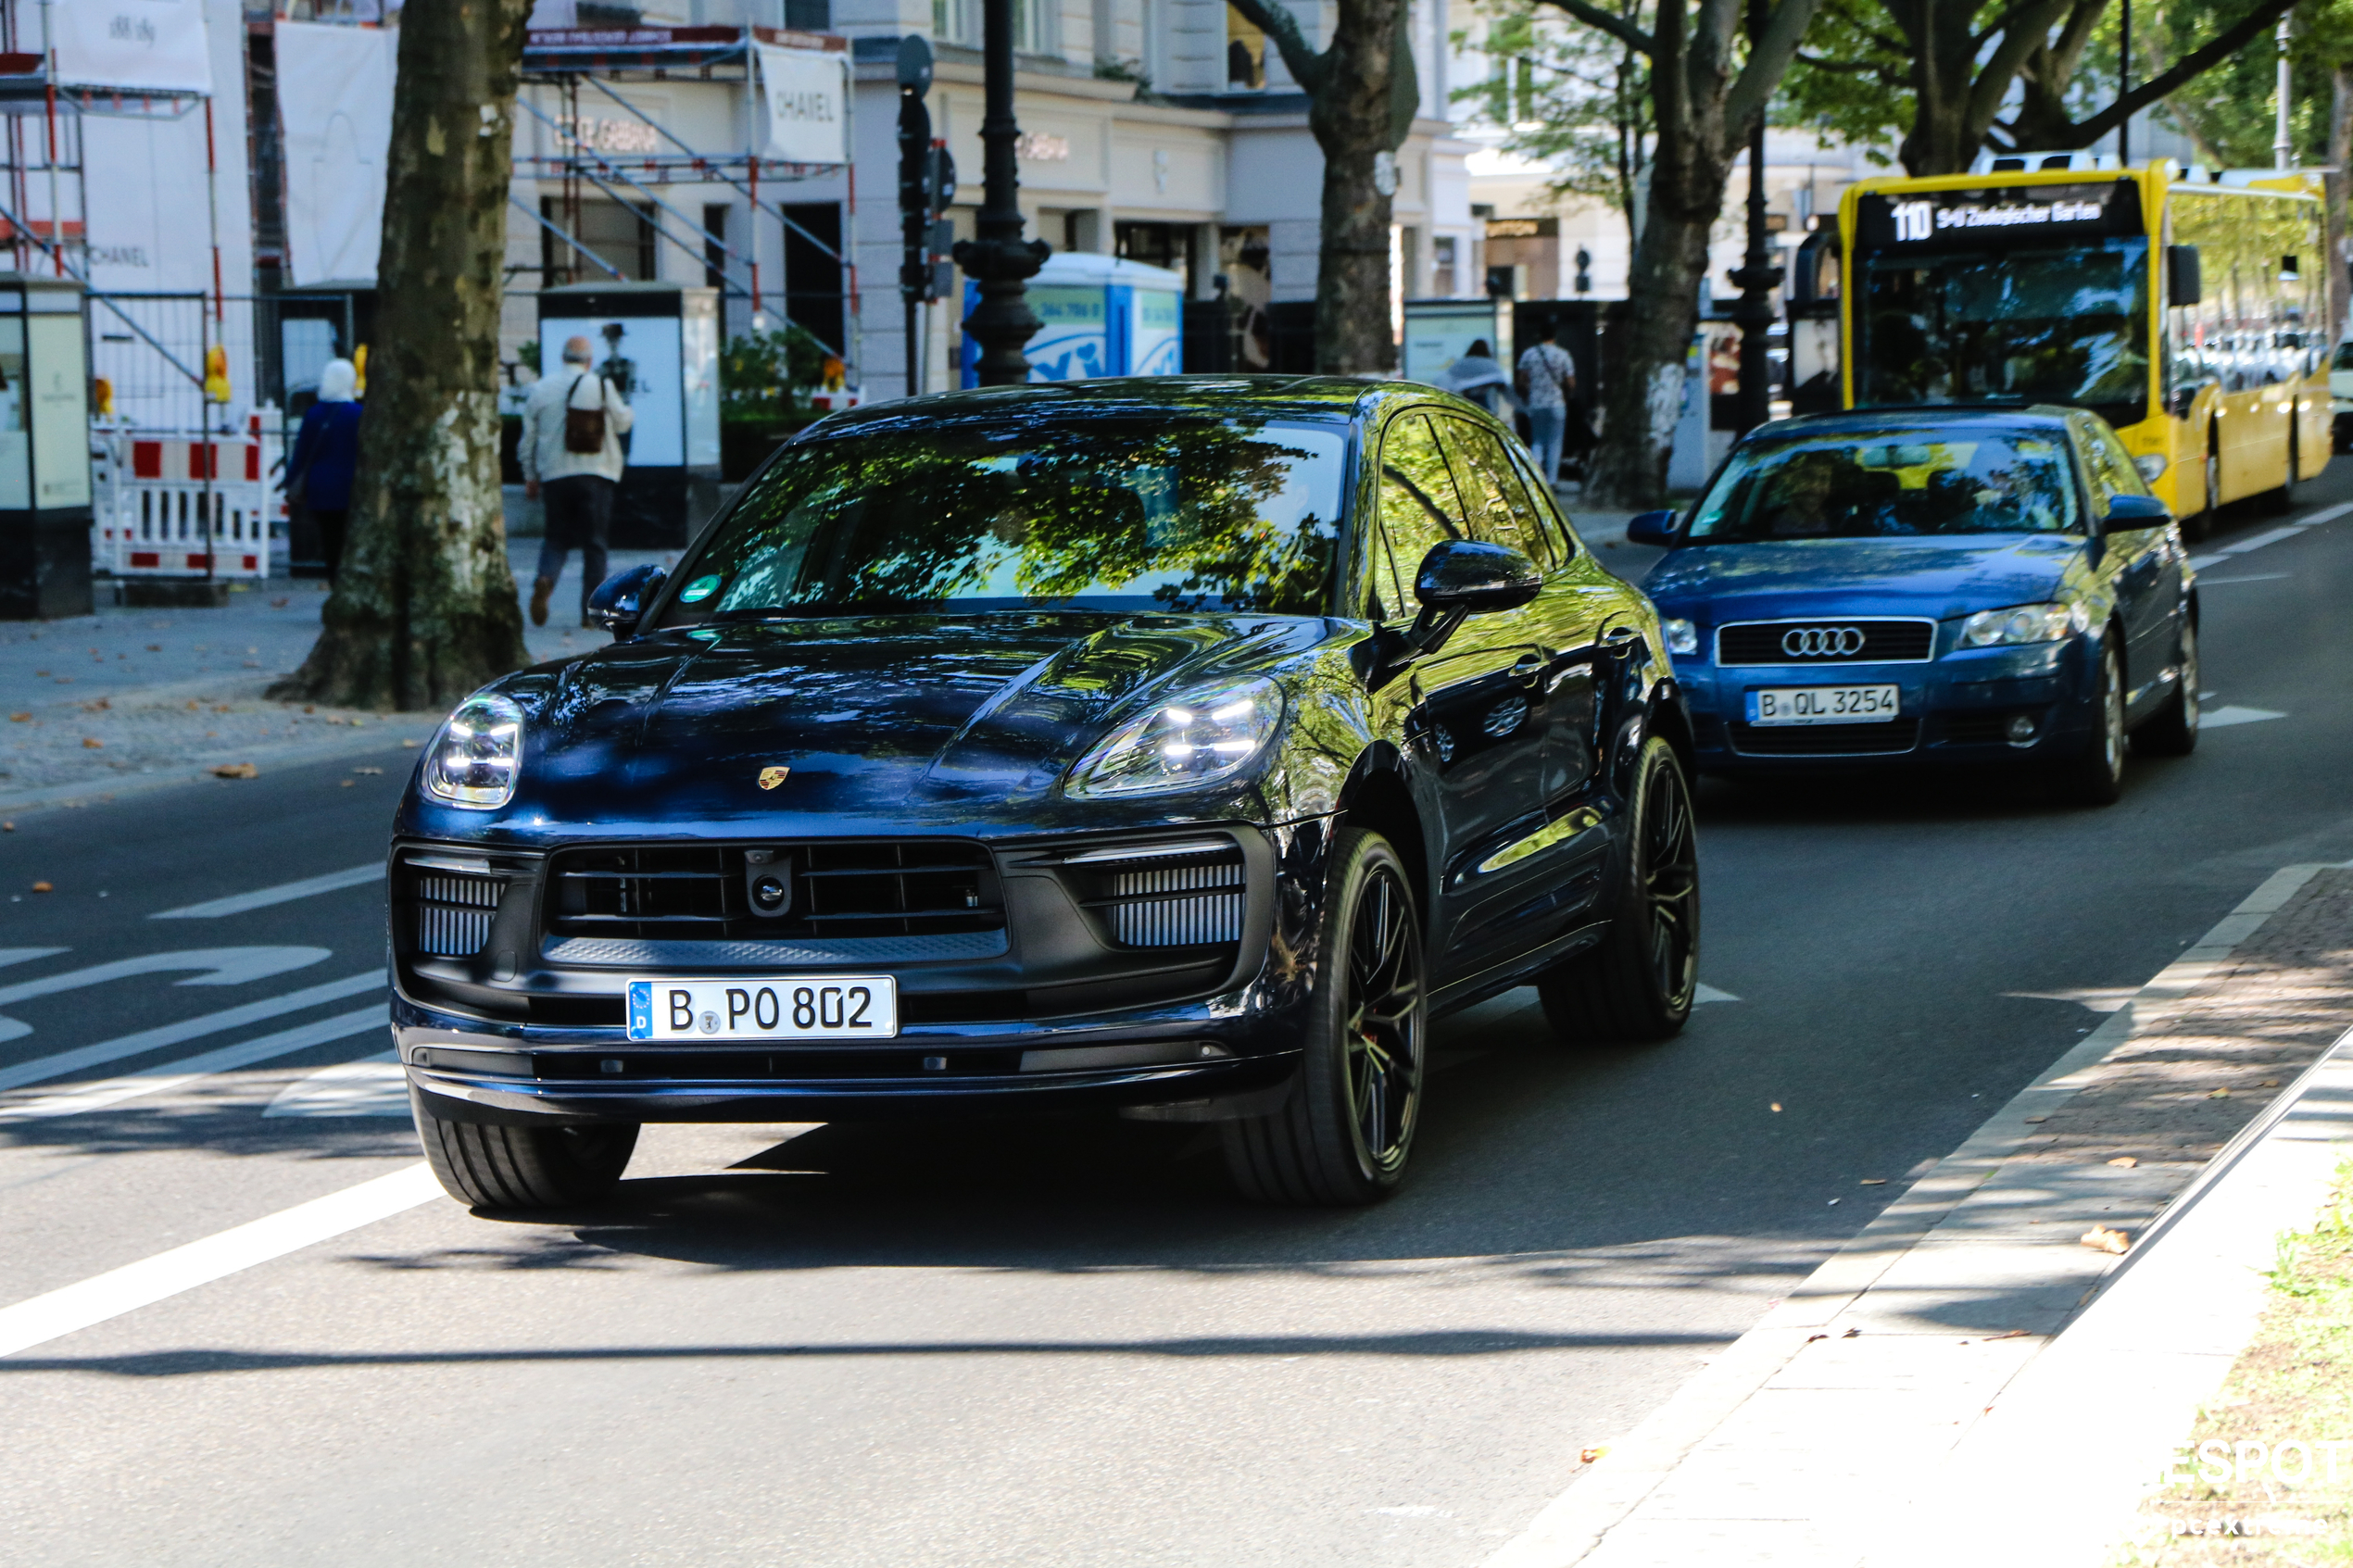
column 45, row 449
column 658, row 345
column 1101, row 316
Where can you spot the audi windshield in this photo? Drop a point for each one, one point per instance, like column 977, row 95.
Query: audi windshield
column 1925, row 481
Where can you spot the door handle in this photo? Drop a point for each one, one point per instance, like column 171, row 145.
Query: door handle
column 1528, row 666
column 1621, row 640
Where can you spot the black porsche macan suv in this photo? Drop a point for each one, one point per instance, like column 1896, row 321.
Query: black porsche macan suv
column 1178, row 746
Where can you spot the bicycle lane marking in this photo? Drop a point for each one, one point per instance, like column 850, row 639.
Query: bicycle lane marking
column 62, row 1063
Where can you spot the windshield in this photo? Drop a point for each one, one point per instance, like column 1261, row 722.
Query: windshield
column 1129, row 513
column 2060, row 326
column 1890, row 482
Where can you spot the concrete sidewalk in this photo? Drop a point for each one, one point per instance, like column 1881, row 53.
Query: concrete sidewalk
column 1925, row 1391
column 165, row 695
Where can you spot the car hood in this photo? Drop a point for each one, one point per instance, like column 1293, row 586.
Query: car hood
column 1931, row 575
column 886, row 721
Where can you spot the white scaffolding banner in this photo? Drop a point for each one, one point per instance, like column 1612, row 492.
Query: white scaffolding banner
column 334, row 103
column 807, row 92
column 127, row 45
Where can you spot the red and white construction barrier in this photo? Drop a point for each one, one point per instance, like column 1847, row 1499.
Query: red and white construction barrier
column 157, row 489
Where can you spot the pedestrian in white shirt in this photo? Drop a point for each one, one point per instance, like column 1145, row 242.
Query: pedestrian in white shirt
column 1547, row 381
column 572, row 424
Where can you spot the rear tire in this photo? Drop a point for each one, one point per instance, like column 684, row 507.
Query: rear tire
column 2291, row 491
column 487, row 1167
column 1639, row 983
column 2172, row 730
column 2096, row 778
column 2202, row 524
column 1342, row 1134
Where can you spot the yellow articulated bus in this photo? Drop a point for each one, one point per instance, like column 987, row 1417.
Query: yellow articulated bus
column 2184, row 310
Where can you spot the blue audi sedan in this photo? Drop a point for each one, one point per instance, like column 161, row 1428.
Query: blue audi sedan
column 1893, row 588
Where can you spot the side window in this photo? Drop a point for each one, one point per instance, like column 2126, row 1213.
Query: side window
column 1549, row 516
column 1500, row 512
column 2108, row 466
column 1419, row 509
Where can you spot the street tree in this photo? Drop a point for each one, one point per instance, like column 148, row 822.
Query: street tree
column 425, row 607
column 1572, row 99
column 1362, row 98
column 1707, row 93
column 1946, row 81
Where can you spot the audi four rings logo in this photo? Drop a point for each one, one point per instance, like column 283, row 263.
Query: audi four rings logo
column 1822, row 642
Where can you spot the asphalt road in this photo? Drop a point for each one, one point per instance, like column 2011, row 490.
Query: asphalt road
column 1059, row 1344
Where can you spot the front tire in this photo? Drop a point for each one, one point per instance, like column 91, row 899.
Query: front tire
column 2172, row 730
column 488, row 1167
column 1342, row 1136
column 1639, row 983
column 2096, row 778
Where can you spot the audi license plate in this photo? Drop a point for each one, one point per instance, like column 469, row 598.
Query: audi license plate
column 1821, row 705
column 832, row 1007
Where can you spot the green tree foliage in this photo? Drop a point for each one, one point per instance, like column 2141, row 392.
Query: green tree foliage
column 2228, row 113
column 1574, row 99
column 760, row 372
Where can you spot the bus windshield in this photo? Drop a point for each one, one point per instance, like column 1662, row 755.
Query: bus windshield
column 2034, row 326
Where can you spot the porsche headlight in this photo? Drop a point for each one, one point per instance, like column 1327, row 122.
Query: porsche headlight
column 478, row 755
column 2022, row 624
column 1681, row 636
column 1196, row 739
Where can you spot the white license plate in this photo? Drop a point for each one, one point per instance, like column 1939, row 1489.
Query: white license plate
column 1821, row 705
column 829, row 1007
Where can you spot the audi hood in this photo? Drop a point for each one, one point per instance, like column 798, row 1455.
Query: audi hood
column 1940, row 577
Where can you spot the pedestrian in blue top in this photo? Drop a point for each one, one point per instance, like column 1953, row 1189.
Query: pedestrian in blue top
column 326, row 450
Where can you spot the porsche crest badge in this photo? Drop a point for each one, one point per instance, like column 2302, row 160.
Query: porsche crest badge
column 771, row 777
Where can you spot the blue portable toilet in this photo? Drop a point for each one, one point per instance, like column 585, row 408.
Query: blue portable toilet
column 1102, row 315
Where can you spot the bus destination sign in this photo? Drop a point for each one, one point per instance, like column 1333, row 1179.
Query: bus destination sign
column 2002, row 215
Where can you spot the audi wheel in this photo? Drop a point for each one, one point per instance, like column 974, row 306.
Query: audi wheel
column 2096, row 776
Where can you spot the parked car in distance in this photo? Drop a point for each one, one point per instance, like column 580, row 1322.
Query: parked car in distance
column 1179, row 746
column 1923, row 588
column 2341, row 396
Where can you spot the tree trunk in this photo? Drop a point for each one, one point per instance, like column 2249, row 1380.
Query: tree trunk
column 425, row 609
column 1352, row 120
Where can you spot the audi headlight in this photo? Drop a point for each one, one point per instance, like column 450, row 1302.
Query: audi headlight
column 1681, row 636
column 478, row 755
column 1197, row 739
column 2020, row 624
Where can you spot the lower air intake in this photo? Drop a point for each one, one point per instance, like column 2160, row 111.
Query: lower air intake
column 454, row 914
column 1178, row 906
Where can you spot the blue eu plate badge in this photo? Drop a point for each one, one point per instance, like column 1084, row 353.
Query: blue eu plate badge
column 641, row 1010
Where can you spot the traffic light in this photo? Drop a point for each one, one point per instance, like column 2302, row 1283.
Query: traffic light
column 915, row 168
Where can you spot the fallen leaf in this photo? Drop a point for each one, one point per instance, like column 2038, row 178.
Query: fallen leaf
column 194, row 705
column 348, row 783
column 2038, row 1119
column 1586, row 1456
column 220, row 708
column 155, row 648
column 92, row 743
column 2007, row 1334
column 41, row 672
column 2269, row 1084
column 2124, row 1160
column 310, row 708
column 1874, row 1181
column 1776, row 1105
column 42, row 887
column 97, row 707
column 2218, row 1094
column 8, row 827
column 235, row 770
column 20, row 718
column 2100, row 1238
column 367, row 769
column 1851, row 1334
column 281, row 604
column 1811, row 1337
column 411, row 745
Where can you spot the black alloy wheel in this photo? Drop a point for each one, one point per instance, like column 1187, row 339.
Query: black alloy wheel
column 487, row 1167
column 2097, row 777
column 2172, row 730
column 1344, row 1133
column 1638, row 984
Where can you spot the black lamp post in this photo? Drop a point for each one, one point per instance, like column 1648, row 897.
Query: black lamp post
column 1000, row 259
column 1757, row 275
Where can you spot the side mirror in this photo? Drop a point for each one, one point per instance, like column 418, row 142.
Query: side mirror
column 1464, row 577
column 621, row 599
column 2182, row 280
column 2126, row 513
column 1651, row 528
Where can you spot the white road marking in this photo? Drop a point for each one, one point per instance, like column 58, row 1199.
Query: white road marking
column 187, row 1070
column 374, row 1086
column 2326, row 514
column 2269, row 536
column 134, row 1285
column 1707, row 993
column 2258, row 577
column 230, row 966
column 25, row 955
column 285, row 893
column 56, row 1066
column 2098, row 998
column 2199, row 563
column 2223, row 717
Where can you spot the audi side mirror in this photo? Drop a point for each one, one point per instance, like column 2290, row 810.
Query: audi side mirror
column 1651, row 528
column 620, row 600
